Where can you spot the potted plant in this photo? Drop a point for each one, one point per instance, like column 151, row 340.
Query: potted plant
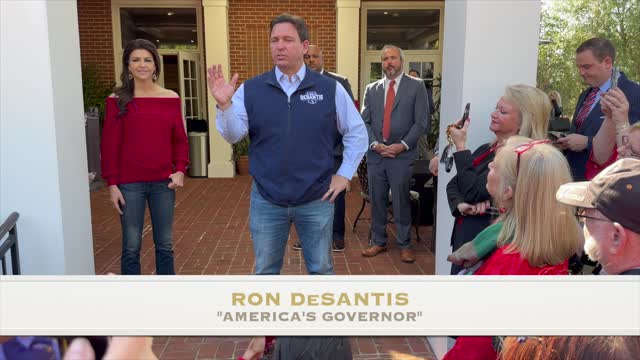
column 94, row 91
column 434, row 132
column 241, row 156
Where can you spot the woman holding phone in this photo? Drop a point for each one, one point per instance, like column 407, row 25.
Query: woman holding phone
column 522, row 110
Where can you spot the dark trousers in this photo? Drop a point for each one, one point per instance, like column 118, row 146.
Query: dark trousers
column 394, row 175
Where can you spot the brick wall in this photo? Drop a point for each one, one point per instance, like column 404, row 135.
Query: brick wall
column 96, row 38
column 249, row 31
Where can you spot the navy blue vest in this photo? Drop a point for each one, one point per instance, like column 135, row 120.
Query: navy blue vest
column 292, row 140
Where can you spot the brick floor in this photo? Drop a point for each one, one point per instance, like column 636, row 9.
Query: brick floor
column 211, row 237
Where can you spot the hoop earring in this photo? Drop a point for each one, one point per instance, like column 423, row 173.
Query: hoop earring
column 155, row 77
column 130, row 76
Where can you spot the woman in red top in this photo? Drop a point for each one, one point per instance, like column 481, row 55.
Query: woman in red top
column 144, row 155
column 536, row 235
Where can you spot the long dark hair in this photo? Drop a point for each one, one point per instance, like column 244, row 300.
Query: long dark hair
column 124, row 92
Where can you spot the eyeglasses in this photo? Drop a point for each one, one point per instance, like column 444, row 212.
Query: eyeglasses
column 580, row 214
column 521, row 149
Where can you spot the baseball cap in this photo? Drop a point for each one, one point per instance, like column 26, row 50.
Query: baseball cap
column 615, row 192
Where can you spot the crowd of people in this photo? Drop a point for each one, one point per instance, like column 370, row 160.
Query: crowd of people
column 518, row 210
column 308, row 138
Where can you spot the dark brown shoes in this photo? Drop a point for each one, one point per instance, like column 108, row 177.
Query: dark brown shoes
column 407, row 255
column 373, row 251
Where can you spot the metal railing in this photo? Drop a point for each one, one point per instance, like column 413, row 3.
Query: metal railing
column 10, row 244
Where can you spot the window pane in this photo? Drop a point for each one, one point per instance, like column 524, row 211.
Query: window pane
column 410, row 29
column 375, row 73
column 168, row 28
column 187, row 108
column 414, row 66
column 427, row 70
column 193, row 72
column 196, row 111
column 170, row 71
column 186, row 69
column 187, row 88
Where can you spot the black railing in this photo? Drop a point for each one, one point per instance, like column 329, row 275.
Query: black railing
column 11, row 244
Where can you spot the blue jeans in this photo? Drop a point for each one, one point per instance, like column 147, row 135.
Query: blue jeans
column 161, row 201
column 270, row 225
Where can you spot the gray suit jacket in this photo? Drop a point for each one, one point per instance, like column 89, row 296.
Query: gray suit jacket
column 409, row 117
column 341, row 79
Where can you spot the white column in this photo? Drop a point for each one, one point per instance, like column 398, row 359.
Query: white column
column 347, row 37
column 43, row 158
column 216, row 33
column 487, row 45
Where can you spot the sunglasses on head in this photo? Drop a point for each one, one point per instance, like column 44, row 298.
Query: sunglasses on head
column 523, row 148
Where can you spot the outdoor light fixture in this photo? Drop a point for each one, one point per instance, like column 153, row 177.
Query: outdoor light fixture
column 170, row 13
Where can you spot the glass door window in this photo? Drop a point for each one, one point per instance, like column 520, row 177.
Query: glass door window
column 188, row 69
column 415, row 27
column 427, row 65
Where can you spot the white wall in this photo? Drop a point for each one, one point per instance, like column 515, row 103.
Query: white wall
column 487, row 45
column 43, row 162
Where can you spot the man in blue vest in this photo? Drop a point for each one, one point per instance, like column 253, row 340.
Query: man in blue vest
column 291, row 115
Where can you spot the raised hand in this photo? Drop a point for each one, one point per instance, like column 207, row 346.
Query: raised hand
column 615, row 105
column 221, row 90
column 459, row 136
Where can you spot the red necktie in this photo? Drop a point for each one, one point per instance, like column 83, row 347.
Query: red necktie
column 586, row 107
column 388, row 106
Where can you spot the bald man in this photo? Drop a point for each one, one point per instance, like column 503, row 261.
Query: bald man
column 315, row 61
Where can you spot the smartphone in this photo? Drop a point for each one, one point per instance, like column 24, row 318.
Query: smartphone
column 556, row 135
column 615, row 75
column 465, row 116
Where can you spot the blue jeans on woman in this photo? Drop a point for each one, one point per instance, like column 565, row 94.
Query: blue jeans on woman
column 270, row 225
column 161, row 201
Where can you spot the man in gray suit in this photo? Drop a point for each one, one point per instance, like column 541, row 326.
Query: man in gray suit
column 396, row 113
